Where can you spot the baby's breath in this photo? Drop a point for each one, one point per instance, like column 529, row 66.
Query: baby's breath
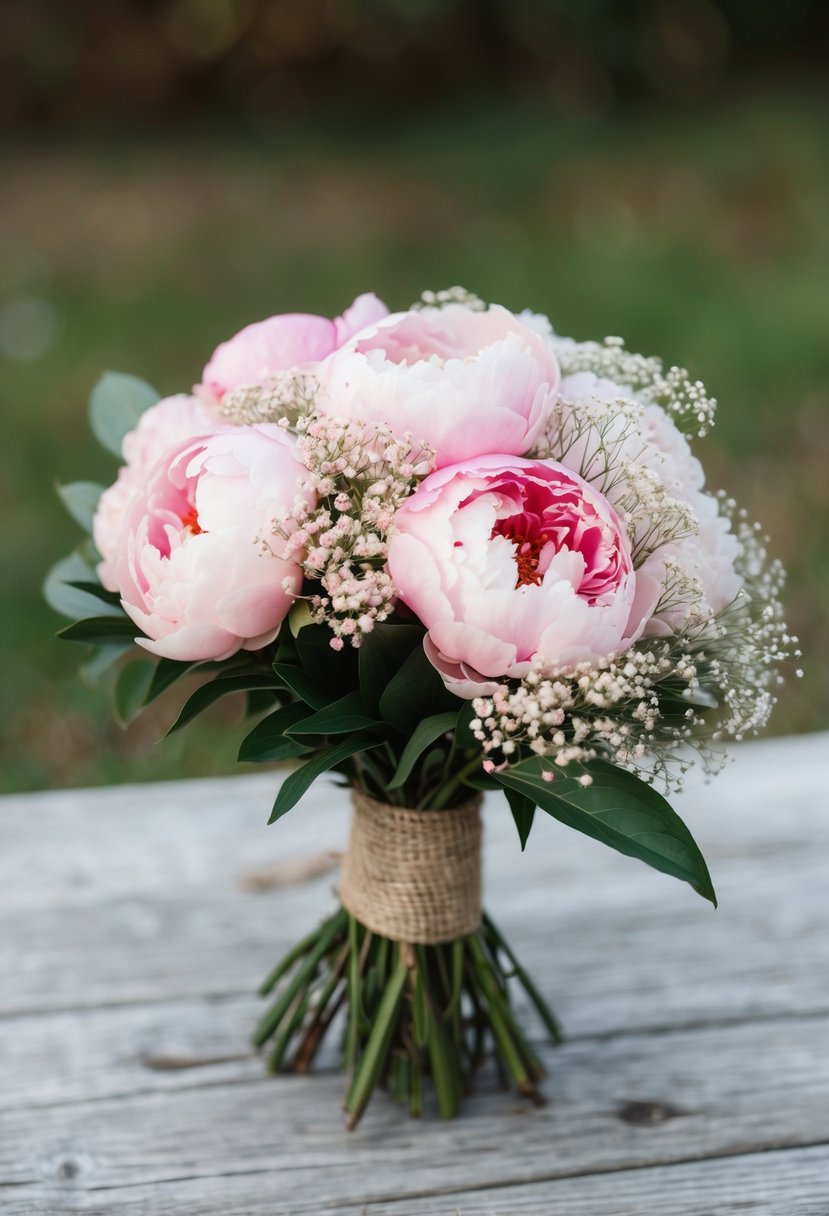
column 359, row 477
column 686, row 400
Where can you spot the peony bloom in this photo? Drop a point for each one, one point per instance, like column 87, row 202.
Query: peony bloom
column 163, row 424
column 285, row 342
column 200, row 571
column 464, row 381
column 513, row 564
column 708, row 557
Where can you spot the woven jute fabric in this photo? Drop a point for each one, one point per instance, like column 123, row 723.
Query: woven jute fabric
column 414, row 876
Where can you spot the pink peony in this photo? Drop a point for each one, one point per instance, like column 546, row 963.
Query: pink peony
column 710, row 555
column 465, row 382
column 285, row 342
column 163, row 424
column 200, row 571
column 512, row 564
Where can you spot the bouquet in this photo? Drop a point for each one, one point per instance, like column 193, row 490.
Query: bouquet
column 442, row 552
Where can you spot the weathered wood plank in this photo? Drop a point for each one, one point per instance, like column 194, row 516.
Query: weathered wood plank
column 673, row 959
column 190, row 835
column 569, row 904
column 703, row 1093
column 785, row 1183
column 134, row 945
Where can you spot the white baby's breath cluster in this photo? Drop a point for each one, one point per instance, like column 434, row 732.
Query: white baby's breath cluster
column 287, row 398
column 663, row 701
column 359, row 476
column 450, row 295
column 684, row 399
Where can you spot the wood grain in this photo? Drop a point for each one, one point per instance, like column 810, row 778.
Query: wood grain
column 695, row 1078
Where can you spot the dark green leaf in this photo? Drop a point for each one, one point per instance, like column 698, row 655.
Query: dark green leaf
column 381, row 654
column 617, row 809
column 116, row 404
column 416, row 691
column 424, row 734
column 219, row 687
column 335, row 670
column 303, row 686
column 339, row 718
column 523, row 812
column 295, row 785
column 80, row 498
column 98, row 629
column 464, row 739
column 131, row 688
column 167, row 672
column 268, row 741
column 99, row 593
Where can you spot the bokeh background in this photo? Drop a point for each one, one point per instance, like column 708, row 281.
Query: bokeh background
column 173, row 169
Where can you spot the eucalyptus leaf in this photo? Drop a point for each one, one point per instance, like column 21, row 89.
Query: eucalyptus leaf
column 80, row 498
column 618, row 809
column 61, row 592
column 117, row 402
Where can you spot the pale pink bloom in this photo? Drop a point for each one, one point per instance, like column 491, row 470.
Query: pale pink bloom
column 200, row 571
column 656, row 442
column 465, row 382
column 513, row 564
column 707, row 557
column 285, row 342
column 163, row 424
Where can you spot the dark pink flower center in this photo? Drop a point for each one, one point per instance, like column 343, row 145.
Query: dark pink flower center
column 542, row 518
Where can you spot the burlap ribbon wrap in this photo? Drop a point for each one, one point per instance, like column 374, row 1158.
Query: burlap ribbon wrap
column 414, row 876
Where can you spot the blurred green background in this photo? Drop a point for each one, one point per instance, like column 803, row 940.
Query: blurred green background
column 171, row 171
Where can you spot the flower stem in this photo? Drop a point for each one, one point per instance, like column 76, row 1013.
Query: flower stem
column 411, row 1013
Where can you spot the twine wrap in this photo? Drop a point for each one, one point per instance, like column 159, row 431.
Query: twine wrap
column 414, row 876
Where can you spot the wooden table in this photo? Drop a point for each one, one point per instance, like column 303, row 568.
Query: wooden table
column 135, row 923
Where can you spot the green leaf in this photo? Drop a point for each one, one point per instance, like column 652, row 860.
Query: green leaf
column 99, row 593
column 381, row 654
column 303, row 686
column 464, row 739
column 61, row 591
column 335, row 670
column 220, row 686
column 523, row 812
column 80, row 498
column 166, row 673
column 115, row 406
column 268, row 741
column 295, row 785
column 339, row 718
column 424, row 734
column 617, row 809
column 416, row 691
column 131, row 688
column 101, row 659
column 98, row 629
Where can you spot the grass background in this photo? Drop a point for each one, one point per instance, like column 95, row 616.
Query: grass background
column 700, row 234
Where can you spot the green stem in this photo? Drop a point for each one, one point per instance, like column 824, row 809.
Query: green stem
column 439, row 801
